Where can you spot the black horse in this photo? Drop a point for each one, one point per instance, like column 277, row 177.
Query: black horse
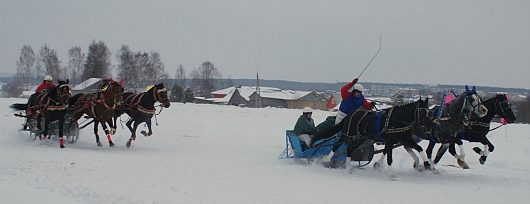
column 141, row 108
column 478, row 128
column 99, row 106
column 51, row 106
column 390, row 126
column 452, row 118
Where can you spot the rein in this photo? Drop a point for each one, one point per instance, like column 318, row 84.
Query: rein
column 386, row 129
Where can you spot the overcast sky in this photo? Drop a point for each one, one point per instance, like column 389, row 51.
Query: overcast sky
column 482, row 42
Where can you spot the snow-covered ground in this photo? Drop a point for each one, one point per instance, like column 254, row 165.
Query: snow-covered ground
column 226, row 154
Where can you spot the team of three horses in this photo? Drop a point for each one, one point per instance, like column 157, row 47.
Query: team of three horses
column 408, row 124
column 104, row 107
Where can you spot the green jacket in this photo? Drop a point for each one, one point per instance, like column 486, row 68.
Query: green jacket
column 328, row 128
column 327, row 124
column 304, row 125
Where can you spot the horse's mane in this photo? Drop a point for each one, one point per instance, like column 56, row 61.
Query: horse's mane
column 155, row 86
column 404, row 105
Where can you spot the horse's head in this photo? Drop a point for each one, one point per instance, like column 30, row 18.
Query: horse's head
column 160, row 94
column 473, row 103
column 63, row 91
column 112, row 90
column 503, row 108
column 423, row 121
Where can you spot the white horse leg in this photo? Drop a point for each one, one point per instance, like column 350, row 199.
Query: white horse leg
column 379, row 162
column 391, row 175
column 416, row 165
column 349, row 165
column 484, row 154
column 431, row 163
column 486, row 151
column 461, row 159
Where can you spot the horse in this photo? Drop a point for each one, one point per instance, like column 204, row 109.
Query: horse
column 389, row 126
column 51, row 105
column 478, row 128
column 141, row 108
column 452, row 118
column 99, row 106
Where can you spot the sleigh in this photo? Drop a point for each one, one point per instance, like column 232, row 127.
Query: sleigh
column 298, row 150
column 70, row 131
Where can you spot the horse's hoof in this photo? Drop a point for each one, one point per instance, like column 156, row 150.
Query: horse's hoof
column 426, row 165
column 128, row 144
column 62, row 146
column 477, row 150
column 462, row 164
column 435, row 171
column 377, row 165
column 418, row 167
column 482, row 159
column 393, row 177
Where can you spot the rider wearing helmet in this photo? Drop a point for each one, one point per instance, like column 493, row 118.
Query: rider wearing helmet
column 46, row 84
column 351, row 101
column 305, row 126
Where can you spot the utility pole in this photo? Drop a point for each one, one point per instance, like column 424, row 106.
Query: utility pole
column 258, row 93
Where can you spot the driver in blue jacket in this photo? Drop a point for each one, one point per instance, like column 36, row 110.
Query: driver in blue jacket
column 351, row 101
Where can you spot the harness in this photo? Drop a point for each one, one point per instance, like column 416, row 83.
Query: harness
column 135, row 104
column 381, row 131
column 49, row 104
column 99, row 98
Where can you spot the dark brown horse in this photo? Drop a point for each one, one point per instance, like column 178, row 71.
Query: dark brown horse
column 99, row 106
column 49, row 105
column 141, row 108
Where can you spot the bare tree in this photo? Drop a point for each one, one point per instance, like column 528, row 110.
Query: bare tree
column 141, row 63
column 126, row 66
column 25, row 65
column 49, row 63
column 98, row 61
column 204, row 78
column 180, row 76
column 13, row 88
column 76, row 59
column 154, row 71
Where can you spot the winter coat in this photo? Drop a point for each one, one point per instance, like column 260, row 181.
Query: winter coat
column 44, row 86
column 328, row 128
column 350, row 103
column 304, row 125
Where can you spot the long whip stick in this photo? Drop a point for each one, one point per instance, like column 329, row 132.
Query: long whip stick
column 377, row 53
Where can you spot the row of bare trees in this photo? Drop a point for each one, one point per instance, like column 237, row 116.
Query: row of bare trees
column 139, row 69
column 522, row 110
column 135, row 68
column 205, row 79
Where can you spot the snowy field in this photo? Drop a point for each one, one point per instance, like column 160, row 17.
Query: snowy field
column 226, row 154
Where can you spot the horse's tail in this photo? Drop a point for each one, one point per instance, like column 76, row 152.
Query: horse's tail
column 72, row 100
column 19, row 106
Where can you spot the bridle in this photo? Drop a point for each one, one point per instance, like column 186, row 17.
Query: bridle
column 418, row 123
column 498, row 106
column 117, row 96
column 156, row 94
column 474, row 101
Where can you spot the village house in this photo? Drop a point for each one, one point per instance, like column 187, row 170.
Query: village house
column 248, row 96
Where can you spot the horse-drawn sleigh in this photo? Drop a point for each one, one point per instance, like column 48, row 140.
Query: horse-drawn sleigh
column 404, row 125
column 59, row 113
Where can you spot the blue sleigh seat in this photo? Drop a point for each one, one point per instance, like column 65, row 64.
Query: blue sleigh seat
column 294, row 148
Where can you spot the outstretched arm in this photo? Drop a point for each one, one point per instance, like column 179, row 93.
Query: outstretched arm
column 344, row 90
column 368, row 105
